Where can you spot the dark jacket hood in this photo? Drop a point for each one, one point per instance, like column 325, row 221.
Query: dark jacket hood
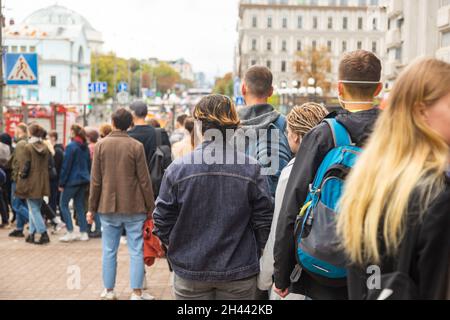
column 358, row 124
column 6, row 139
column 257, row 117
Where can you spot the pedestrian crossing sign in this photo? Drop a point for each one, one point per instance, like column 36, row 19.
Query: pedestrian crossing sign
column 21, row 69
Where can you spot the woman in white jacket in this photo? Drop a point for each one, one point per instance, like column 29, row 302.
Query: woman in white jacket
column 300, row 121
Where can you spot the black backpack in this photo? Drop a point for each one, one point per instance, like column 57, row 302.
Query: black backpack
column 159, row 162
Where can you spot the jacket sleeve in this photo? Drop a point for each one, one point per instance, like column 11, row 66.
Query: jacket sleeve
column 273, row 157
column 144, row 179
column 434, row 250
column 167, row 211
column 95, row 189
column 262, row 205
column 313, row 150
column 265, row 278
column 66, row 165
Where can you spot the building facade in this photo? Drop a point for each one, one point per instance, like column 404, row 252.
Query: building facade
column 273, row 32
column 63, row 40
column 443, row 21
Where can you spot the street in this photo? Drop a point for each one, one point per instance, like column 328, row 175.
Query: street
column 46, row 273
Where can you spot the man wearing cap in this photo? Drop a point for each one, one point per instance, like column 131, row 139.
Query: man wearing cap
column 142, row 132
column 359, row 84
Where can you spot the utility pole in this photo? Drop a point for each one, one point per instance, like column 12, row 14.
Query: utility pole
column 115, row 84
column 2, row 84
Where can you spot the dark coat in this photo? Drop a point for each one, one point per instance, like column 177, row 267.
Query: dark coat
column 76, row 165
column 431, row 257
column 33, row 178
column 315, row 146
column 215, row 218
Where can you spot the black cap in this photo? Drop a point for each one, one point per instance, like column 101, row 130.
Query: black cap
column 139, row 109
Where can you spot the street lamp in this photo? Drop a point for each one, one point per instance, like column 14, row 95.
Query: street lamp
column 283, row 92
column 312, row 83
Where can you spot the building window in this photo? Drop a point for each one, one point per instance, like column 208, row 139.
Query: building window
column 375, row 24
column 14, row 49
column 32, row 49
column 345, row 23
column 300, row 22
column 329, row 45
column 284, row 46
column 254, row 43
column 314, row 45
column 23, row 49
column 330, row 23
column 285, row 23
column 53, row 81
column 255, row 22
column 445, row 39
column 374, row 47
column 269, row 45
column 253, row 62
column 269, row 22
column 315, row 23
column 359, row 45
column 269, row 64
column 360, row 23
column 299, row 45
column 283, row 66
column 344, row 46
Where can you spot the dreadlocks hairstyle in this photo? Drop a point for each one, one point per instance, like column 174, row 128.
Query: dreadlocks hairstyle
column 305, row 117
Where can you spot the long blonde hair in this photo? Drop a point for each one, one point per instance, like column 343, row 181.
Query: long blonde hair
column 404, row 155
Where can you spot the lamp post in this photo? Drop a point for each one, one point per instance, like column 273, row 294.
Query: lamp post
column 283, row 94
column 312, row 83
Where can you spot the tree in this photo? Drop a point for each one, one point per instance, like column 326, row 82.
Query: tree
column 109, row 68
column 166, row 77
column 225, row 85
column 314, row 63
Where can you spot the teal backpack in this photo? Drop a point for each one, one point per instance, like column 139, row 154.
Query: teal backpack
column 317, row 245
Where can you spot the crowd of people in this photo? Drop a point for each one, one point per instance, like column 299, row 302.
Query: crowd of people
column 308, row 207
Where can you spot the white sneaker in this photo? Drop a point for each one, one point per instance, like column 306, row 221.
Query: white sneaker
column 108, row 295
column 123, row 240
column 60, row 226
column 68, row 237
column 144, row 296
column 84, row 236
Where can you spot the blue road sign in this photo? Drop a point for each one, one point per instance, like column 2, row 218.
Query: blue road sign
column 98, row 87
column 240, row 101
column 21, row 69
column 123, row 87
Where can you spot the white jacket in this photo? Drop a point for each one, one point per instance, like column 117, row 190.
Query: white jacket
column 265, row 280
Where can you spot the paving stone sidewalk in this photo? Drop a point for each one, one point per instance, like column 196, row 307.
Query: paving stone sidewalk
column 51, row 272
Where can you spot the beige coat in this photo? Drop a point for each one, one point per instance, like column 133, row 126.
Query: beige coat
column 120, row 181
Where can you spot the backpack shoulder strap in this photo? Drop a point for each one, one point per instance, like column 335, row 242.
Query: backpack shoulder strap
column 158, row 137
column 341, row 137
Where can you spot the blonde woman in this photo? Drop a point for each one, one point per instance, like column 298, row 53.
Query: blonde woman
column 398, row 195
column 299, row 122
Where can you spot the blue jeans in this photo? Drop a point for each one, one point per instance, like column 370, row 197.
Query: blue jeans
column 20, row 207
column 77, row 193
column 113, row 224
column 37, row 223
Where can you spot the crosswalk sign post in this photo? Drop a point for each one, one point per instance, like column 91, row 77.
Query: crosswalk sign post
column 21, row 69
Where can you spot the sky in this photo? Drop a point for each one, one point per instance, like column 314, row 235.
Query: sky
column 201, row 31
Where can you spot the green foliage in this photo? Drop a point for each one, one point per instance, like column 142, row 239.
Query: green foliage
column 113, row 70
column 225, row 85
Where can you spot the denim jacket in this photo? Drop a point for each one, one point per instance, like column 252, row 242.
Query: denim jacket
column 214, row 218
